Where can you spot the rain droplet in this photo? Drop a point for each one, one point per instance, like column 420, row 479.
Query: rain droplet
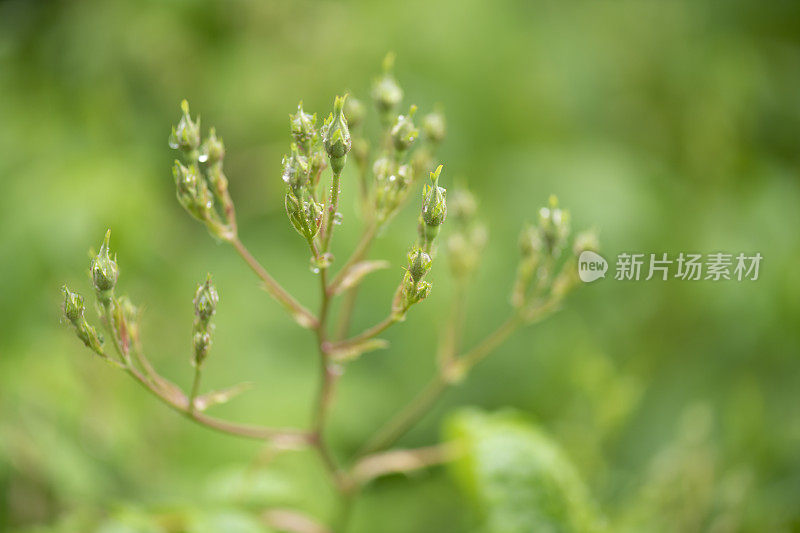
column 173, row 144
column 314, row 269
column 202, row 158
column 337, row 219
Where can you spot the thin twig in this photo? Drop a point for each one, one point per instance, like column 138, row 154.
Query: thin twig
column 302, row 315
column 401, row 461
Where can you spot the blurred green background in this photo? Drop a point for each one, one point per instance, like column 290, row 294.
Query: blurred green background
column 668, row 126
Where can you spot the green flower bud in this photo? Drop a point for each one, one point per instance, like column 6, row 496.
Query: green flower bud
column 104, row 270
column 554, row 225
column 295, row 169
column 386, row 92
column 354, row 112
column 213, row 150
column 192, row 191
column 304, row 214
column 186, row 135
column 391, row 183
column 205, row 300
column 202, row 345
column 304, row 128
column 434, row 127
column 336, row 135
column 434, row 210
column 419, row 264
column 434, row 204
column 586, row 240
column 73, row 305
column 404, row 133
column 74, row 311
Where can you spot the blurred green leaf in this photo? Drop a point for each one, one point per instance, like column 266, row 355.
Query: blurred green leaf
column 518, row 476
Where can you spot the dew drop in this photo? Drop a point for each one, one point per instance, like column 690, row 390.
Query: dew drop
column 202, row 158
column 337, row 219
column 173, row 144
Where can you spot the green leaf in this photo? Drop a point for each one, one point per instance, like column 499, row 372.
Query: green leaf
column 518, row 476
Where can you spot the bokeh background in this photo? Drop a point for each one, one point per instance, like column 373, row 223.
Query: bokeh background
column 668, row 126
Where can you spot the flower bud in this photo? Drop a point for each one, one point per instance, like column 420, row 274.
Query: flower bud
column 186, row 135
column 104, row 271
column 304, row 128
column 213, row 150
column 554, row 225
column 202, row 345
column 192, row 191
column 385, row 90
column 434, row 127
column 304, row 214
column 354, row 112
column 434, row 210
column 434, row 205
column 73, row 305
column 295, row 169
column 404, row 133
column 462, row 206
column 419, row 264
column 586, row 240
column 336, row 135
column 205, row 300
column 73, row 310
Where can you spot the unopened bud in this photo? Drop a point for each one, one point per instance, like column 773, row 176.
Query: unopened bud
column 336, row 135
column 354, row 112
column 213, row 150
column 404, row 133
column 202, row 345
column 419, row 264
column 304, row 128
column 186, row 135
column 206, row 299
column 104, row 270
column 192, row 191
column 434, row 210
column 386, row 91
column 295, row 169
column 73, row 310
column 434, row 127
column 554, row 225
column 73, row 305
column 304, row 213
column 586, row 240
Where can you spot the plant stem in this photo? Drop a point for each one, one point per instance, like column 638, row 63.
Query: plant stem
column 195, row 388
column 367, row 334
column 302, row 315
column 397, row 426
column 358, row 254
column 333, row 207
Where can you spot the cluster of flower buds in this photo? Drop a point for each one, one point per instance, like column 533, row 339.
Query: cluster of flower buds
column 413, row 288
column 74, row 310
column 336, row 136
column 468, row 236
column 205, row 305
column 201, row 185
column 303, row 211
column 544, row 275
column 434, row 210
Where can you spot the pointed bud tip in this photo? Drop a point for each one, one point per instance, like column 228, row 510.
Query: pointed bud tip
column 185, row 106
